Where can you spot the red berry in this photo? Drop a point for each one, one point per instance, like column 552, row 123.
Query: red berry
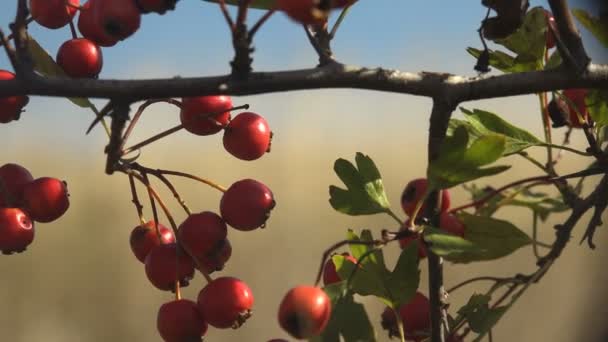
column 180, row 321
column 246, row 205
column 163, row 265
column 577, row 98
column 415, row 316
column 80, row 58
column 551, row 27
column 16, row 230
column 303, row 11
column 194, row 110
column 416, row 238
column 13, row 179
column 118, row 19
column 10, row 107
column 451, row 224
column 225, row 302
column 158, row 6
column 248, row 136
column 413, row 193
column 330, row 275
column 215, row 260
column 46, row 199
column 53, row 14
column 90, row 29
column 304, row 311
column 144, row 238
column 203, row 236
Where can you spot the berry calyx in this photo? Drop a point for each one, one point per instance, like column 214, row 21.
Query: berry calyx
column 304, row 311
column 80, row 58
column 203, row 236
column 414, row 192
column 144, row 238
column 415, row 316
column 119, row 19
column 16, row 230
column 180, row 321
column 451, row 224
column 13, row 179
column 577, row 99
column 90, row 29
column 247, row 136
column 306, row 12
column 330, row 275
column 194, row 111
column 165, row 264
column 53, row 14
column 226, row 302
column 215, row 260
column 11, row 106
column 246, row 205
column 46, row 199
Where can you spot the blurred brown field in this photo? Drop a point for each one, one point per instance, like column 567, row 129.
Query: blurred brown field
column 78, row 281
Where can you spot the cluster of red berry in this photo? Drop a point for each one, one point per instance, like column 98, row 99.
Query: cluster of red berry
column 23, row 200
column 311, row 12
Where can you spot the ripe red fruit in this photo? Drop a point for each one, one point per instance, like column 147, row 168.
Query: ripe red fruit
column 158, row 6
column 413, row 193
column 194, row 109
column 163, row 265
column 330, row 275
column 577, row 98
column 225, row 302
column 180, row 321
column 551, row 27
column 46, row 199
column 16, row 230
column 304, row 311
column 415, row 316
column 10, row 107
column 303, row 11
column 144, row 238
column 13, row 179
column 53, row 14
column 118, row 19
column 246, row 205
column 90, row 29
column 247, row 136
column 215, row 260
column 417, row 238
column 80, row 58
column 451, row 224
column 203, row 236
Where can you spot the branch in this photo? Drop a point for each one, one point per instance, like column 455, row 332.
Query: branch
column 334, row 75
column 569, row 40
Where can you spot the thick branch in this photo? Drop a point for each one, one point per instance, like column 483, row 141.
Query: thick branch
column 570, row 43
column 331, row 76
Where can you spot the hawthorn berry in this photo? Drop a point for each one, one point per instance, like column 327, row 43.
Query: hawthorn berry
column 414, row 192
column 53, row 14
column 90, row 29
column 180, row 321
column 558, row 112
column 145, row 237
column 158, row 6
column 304, row 311
column 165, row 264
column 194, row 109
column 330, row 275
column 247, row 136
column 451, row 224
column 13, row 178
column 246, row 205
column 303, row 11
column 118, row 19
column 11, row 106
column 203, row 236
column 46, row 199
column 16, row 230
column 416, row 238
column 225, row 302
column 215, row 260
column 551, row 28
column 577, row 99
column 415, row 316
column 80, row 58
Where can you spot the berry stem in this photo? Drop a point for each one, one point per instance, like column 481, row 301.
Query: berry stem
column 8, row 48
column 256, row 27
column 241, row 16
column 399, row 324
column 547, row 131
column 178, row 198
column 418, row 207
column 337, row 245
column 136, row 201
column 392, row 214
column 141, row 110
column 178, row 292
column 187, row 175
column 226, row 14
column 152, row 139
column 153, row 206
column 336, row 26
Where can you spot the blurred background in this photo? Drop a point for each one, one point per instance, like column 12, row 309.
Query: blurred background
column 78, row 281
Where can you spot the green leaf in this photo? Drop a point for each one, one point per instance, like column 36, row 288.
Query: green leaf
column 364, row 194
column 597, row 105
column 595, row 25
column 480, row 317
column 259, row 4
column 486, row 123
column 45, row 65
column 485, row 238
column 554, row 61
column 505, row 62
column 528, row 42
column 458, row 163
column 349, row 320
column 336, row 291
column 405, row 278
column 364, row 281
